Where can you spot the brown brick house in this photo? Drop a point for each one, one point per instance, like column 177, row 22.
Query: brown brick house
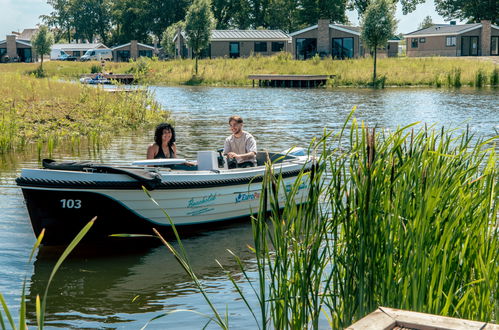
column 325, row 39
column 479, row 39
column 133, row 50
column 335, row 40
column 237, row 43
column 13, row 49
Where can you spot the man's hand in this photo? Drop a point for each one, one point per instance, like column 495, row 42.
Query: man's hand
column 232, row 155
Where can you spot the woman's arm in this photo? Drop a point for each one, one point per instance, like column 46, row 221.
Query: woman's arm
column 174, row 148
column 152, row 150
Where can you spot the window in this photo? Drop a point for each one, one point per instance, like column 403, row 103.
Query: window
column 342, row 48
column 277, row 46
column 422, row 40
column 260, row 46
column 414, row 43
column 123, row 55
column 145, row 53
column 305, row 48
column 450, row 41
column 77, row 53
column 234, row 50
column 494, row 46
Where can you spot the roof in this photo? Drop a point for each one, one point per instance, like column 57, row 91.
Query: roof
column 77, row 47
column 138, row 43
column 444, row 29
column 217, row 35
column 344, row 28
column 22, row 42
column 245, row 35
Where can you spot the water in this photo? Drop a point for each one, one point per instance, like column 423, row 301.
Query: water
column 125, row 286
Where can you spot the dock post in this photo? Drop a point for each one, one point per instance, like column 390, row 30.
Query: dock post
column 253, row 80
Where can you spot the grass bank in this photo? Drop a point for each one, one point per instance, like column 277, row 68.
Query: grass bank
column 430, row 71
column 46, row 111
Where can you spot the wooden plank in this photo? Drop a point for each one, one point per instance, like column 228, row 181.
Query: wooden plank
column 423, row 321
column 288, row 77
column 377, row 320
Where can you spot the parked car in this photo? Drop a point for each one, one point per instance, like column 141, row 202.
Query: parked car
column 66, row 57
column 55, row 54
column 97, row 55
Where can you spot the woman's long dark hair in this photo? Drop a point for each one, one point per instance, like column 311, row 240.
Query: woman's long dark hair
column 159, row 132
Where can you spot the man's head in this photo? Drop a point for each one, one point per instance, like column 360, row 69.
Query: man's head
column 236, row 124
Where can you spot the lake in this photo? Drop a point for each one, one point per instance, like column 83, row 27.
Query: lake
column 125, row 285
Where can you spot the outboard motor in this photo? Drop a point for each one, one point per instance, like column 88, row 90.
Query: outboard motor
column 222, row 161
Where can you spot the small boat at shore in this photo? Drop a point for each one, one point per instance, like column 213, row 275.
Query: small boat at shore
column 95, row 80
column 63, row 196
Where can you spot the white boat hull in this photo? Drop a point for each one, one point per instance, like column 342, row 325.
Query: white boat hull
column 62, row 202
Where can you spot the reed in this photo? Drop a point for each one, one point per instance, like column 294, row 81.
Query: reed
column 40, row 304
column 46, row 112
column 406, row 219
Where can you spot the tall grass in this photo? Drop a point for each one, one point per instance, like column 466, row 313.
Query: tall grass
column 46, row 112
column 402, row 71
column 406, row 219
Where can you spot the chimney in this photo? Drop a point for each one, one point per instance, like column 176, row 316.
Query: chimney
column 11, row 46
column 452, row 22
column 134, row 49
column 486, row 37
column 323, row 40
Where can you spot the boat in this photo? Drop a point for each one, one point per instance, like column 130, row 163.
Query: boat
column 95, row 80
column 63, row 196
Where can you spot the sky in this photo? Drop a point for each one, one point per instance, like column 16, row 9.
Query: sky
column 16, row 15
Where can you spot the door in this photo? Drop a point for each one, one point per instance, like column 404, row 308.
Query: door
column 342, row 48
column 469, row 46
column 234, row 50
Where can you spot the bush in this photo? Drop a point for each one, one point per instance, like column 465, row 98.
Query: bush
column 95, row 68
column 494, row 77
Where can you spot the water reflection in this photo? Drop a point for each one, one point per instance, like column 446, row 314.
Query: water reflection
column 96, row 282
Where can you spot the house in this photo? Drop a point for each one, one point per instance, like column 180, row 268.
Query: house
column 27, row 34
column 237, row 43
column 77, row 50
column 16, row 50
column 325, row 39
column 132, row 50
column 478, row 39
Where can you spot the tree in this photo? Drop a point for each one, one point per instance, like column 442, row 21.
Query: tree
column 426, row 23
column 198, row 24
column 408, row 6
column 164, row 13
column 131, row 19
column 168, row 35
column 313, row 10
column 42, row 41
column 378, row 25
column 61, row 18
column 472, row 11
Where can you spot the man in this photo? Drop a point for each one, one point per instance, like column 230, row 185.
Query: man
column 241, row 145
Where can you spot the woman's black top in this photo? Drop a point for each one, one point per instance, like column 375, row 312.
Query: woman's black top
column 161, row 154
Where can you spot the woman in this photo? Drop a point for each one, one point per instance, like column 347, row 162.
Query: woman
column 164, row 143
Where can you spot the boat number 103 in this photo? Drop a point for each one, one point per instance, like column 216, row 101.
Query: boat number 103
column 70, row 203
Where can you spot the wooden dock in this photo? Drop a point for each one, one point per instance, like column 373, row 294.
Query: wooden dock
column 126, row 79
column 289, row 80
